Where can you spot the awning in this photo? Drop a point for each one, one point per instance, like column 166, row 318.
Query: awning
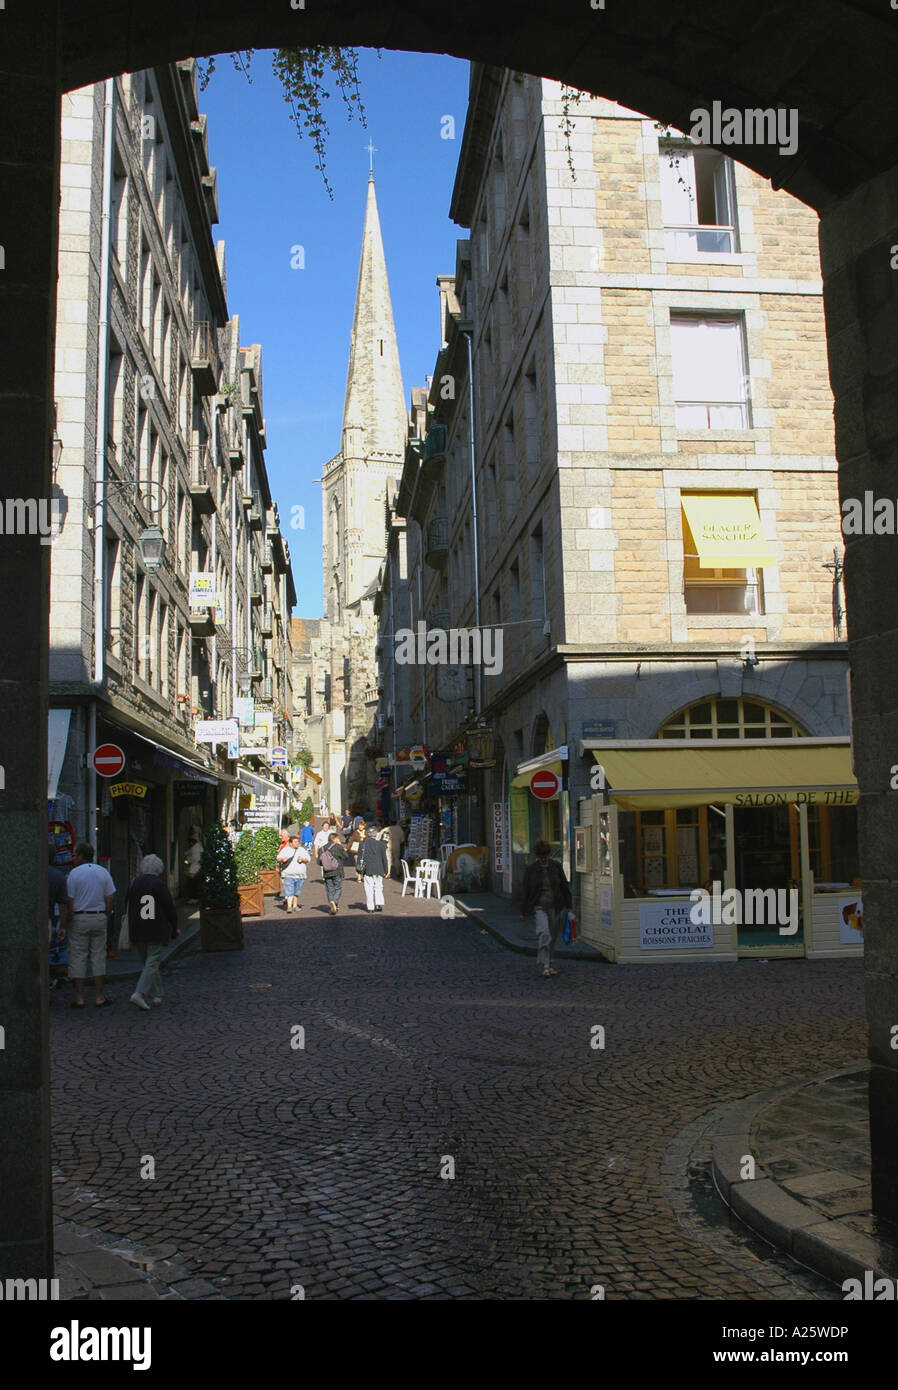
column 314, row 776
column 523, row 778
column 652, row 775
column 195, row 771
column 57, row 738
column 727, row 532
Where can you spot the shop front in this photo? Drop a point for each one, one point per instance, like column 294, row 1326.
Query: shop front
column 767, row 832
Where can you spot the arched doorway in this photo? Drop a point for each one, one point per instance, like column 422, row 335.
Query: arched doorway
column 678, row 57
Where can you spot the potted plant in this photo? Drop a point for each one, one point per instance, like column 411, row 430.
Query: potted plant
column 267, row 842
column 249, row 889
column 221, row 927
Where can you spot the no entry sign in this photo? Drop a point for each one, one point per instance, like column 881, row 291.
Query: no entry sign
column 545, row 784
column 108, row 760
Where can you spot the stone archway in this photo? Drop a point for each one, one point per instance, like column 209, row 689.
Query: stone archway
column 833, row 61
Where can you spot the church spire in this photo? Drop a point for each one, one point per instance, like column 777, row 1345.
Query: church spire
column 374, row 419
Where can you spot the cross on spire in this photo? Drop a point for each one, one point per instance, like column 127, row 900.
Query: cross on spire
column 371, row 148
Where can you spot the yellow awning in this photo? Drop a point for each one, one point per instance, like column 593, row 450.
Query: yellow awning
column 314, row 776
column 523, row 778
column 726, row 529
column 778, row 774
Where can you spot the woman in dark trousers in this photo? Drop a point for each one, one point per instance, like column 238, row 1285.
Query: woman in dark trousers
column 547, row 895
column 333, row 877
column 152, row 922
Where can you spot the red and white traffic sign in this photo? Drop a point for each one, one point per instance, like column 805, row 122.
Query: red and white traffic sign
column 545, row 784
column 108, row 760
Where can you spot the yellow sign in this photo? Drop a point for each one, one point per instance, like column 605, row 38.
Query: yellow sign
column 128, row 789
column 727, row 531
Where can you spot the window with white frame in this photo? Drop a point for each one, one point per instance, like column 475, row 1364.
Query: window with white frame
column 709, row 371
column 698, row 201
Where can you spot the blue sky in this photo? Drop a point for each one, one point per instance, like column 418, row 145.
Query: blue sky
column 272, row 199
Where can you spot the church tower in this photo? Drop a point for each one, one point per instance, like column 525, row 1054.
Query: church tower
column 353, row 493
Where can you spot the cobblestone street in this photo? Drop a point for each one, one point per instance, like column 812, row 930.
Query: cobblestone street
column 425, row 1041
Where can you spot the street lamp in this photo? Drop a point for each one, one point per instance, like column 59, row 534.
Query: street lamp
column 151, row 544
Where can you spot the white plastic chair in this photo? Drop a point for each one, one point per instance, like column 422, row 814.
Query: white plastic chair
column 427, row 876
column 445, row 851
column 407, row 877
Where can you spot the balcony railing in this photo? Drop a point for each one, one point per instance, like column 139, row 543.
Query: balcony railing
column 202, row 479
column 713, row 415
column 436, row 542
column 204, row 359
column 435, row 442
column 687, row 240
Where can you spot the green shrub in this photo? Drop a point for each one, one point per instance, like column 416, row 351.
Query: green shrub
column 267, row 842
column 246, row 858
column 218, row 873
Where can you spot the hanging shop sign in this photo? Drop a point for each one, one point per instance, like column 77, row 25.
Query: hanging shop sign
column 500, row 844
column 418, row 757
column 480, row 748
column 216, row 731
column 279, row 757
column 201, row 592
column 128, row 789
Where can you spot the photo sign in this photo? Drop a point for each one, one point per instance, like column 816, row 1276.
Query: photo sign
column 667, row 925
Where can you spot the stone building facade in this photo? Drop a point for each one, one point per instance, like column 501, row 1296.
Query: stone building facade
column 159, row 419
column 650, row 388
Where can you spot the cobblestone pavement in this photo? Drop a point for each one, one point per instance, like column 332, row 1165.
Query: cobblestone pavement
column 426, row 1044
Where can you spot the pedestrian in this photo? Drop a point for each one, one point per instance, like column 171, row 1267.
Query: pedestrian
column 372, row 860
column 57, row 897
column 346, row 822
column 152, row 923
column 293, row 858
column 355, row 839
column 91, row 896
column 332, row 858
column 395, row 838
column 192, row 862
column 321, row 839
column 307, row 834
column 547, row 895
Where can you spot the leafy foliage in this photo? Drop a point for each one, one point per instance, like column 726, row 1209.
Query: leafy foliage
column 218, row 873
column 303, row 73
column 267, row 842
column 571, row 96
column 246, row 858
column 307, row 810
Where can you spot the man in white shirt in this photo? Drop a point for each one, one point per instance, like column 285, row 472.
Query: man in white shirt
column 91, row 896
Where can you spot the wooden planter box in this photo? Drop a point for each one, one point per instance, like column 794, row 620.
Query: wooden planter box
column 252, row 900
column 270, row 881
column 221, row 929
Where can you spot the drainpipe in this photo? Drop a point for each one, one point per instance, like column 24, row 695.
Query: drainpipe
column 393, row 659
column 100, row 463
column 213, row 681
column 233, row 488
column 478, row 670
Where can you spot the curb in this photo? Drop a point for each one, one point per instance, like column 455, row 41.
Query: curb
column 828, row 1247
column 565, row 953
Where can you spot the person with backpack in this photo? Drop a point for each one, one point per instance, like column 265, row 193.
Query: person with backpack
column 322, row 838
column 332, row 858
column 293, row 859
column 547, row 894
column 352, row 844
column 372, row 862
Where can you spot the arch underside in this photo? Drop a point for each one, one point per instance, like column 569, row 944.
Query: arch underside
column 832, row 60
